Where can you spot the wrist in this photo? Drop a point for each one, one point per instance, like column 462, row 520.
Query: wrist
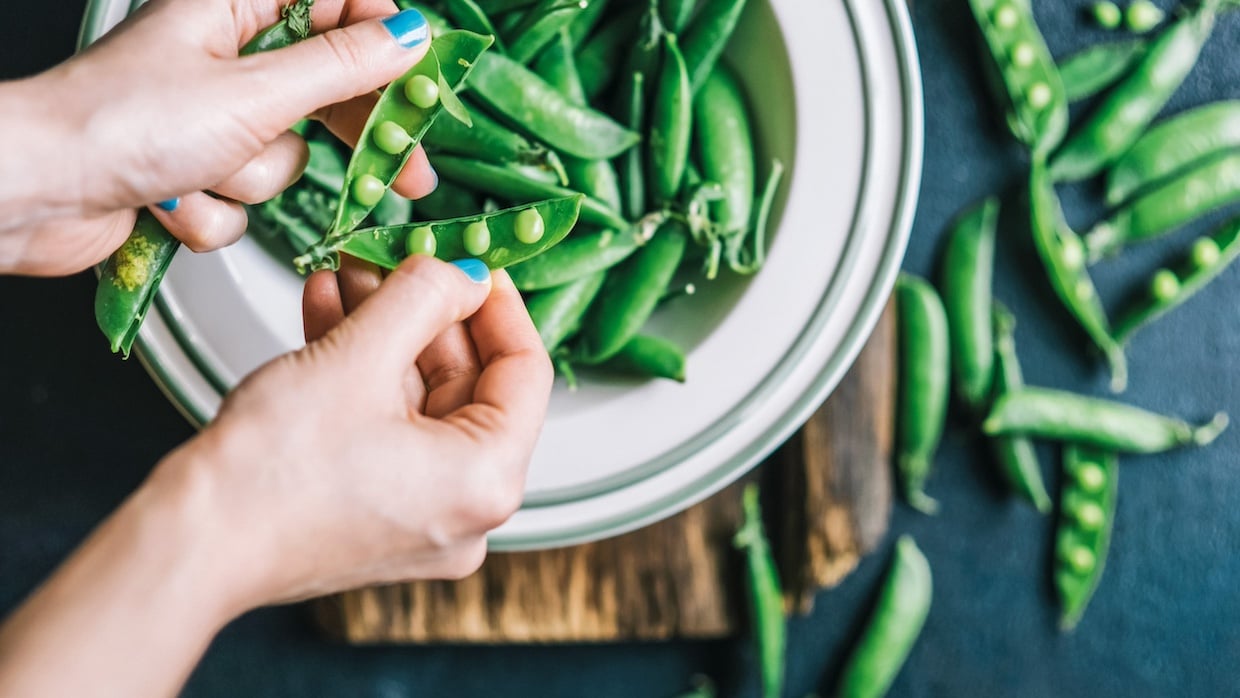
column 40, row 166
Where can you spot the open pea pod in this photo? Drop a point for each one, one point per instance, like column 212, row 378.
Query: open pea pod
column 504, row 244
column 396, row 124
column 129, row 279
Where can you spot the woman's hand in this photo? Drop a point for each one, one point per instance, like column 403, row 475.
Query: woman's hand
column 163, row 110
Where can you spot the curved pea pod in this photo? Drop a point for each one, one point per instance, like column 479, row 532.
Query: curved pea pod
column 1209, row 256
column 1063, row 256
column 725, row 148
column 1058, row 415
column 893, row 628
column 386, row 247
column 1015, row 454
column 581, row 254
column 966, row 280
column 1129, row 108
column 541, row 26
column 707, row 35
column 448, row 63
column 294, row 25
column 1087, row 514
column 1173, row 146
column 490, row 140
column 630, row 295
column 537, row 108
column 557, row 312
column 671, row 124
column 1023, row 72
column 649, row 357
column 129, row 279
column 509, row 185
column 468, row 15
column 1172, row 204
column 766, row 595
column 1095, row 68
column 925, row 373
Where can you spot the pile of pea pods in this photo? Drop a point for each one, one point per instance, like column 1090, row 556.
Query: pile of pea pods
column 1157, row 178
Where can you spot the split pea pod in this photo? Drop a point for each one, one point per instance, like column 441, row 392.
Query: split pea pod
column 1015, row 454
column 925, row 371
column 725, row 148
column 766, row 596
column 894, row 625
column 707, row 35
column 508, row 185
column 1023, row 73
column 537, row 108
column 649, row 356
column 1172, row 204
column 400, row 119
column 1063, row 256
column 1173, row 146
column 630, row 295
column 1092, row 70
column 1129, row 108
column 582, row 254
column 1058, row 415
column 557, row 312
column 1086, row 517
column 541, row 26
column 966, row 280
column 1169, row 288
column 499, row 238
column 671, row 124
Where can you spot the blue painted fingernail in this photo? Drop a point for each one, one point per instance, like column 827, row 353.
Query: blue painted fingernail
column 474, row 269
column 408, row 27
column 436, row 176
column 170, row 205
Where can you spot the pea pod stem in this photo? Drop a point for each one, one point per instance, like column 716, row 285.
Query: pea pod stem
column 925, row 370
column 766, row 597
column 1063, row 416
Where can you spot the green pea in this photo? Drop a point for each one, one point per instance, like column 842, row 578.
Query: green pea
column 1023, row 55
column 1091, row 477
column 1205, row 253
column 1039, row 95
column 1089, row 516
column 368, row 190
column 421, row 241
column 391, row 138
column 1072, row 251
column 1081, row 559
column 529, row 226
column 1006, row 17
column 477, row 238
column 1165, row 285
column 1143, row 16
column 422, row 91
column 1108, row 14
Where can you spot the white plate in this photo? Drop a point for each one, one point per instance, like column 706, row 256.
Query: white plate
column 838, row 99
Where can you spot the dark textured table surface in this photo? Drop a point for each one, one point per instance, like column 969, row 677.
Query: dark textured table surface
column 79, row 429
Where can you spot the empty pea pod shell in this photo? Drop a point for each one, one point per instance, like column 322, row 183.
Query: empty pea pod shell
column 385, row 246
column 1059, row 415
column 894, row 625
column 1086, row 517
column 1095, row 68
column 966, row 280
column 129, row 279
column 1174, row 145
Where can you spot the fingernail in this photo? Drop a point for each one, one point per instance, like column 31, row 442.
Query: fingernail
column 474, row 269
column 170, row 205
column 436, row 176
column 408, row 27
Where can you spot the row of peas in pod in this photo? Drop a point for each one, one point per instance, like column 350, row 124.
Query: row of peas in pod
column 579, row 122
column 1157, row 178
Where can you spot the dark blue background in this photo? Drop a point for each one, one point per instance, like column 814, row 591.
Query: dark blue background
column 79, row 429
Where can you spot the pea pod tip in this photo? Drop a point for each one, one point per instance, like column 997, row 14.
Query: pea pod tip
column 1207, row 433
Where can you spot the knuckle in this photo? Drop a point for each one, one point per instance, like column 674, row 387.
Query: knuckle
column 467, row 561
column 494, row 499
column 345, row 49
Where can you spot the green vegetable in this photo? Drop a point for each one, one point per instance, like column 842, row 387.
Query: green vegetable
column 925, row 371
column 966, row 280
column 1087, row 512
column 766, row 596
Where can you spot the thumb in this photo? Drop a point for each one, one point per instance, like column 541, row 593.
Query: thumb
column 338, row 65
column 413, row 306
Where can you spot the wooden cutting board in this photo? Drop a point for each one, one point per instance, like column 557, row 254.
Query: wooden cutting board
column 827, row 494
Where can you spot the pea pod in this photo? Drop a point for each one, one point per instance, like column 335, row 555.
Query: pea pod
column 1062, row 416
column 1016, row 455
column 557, row 312
column 706, row 36
column 631, row 165
column 376, row 163
column 894, row 625
column 925, row 370
column 602, row 57
column 1024, row 74
column 449, row 200
column 294, row 25
column 468, row 15
column 387, row 247
column 1208, row 258
column 747, row 253
column 489, row 140
column 584, row 24
column 1174, row 146
column 630, row 294
column 1172, row 204
column 538, row 109
column 966, row 280
column 671, row 124
column 582, row 254
column 1129, row 108
column 649, row 357
column 1063, row 256
column 723, row 131
column 1095, row 68
column 766, row 596
column 1087, row 514
column 676, row 13
column 508, row 185
column 541, row 26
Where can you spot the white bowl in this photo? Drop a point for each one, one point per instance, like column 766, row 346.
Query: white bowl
column 837, row 96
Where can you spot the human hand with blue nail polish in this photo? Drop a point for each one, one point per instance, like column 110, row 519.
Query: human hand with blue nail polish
column 163, row 113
